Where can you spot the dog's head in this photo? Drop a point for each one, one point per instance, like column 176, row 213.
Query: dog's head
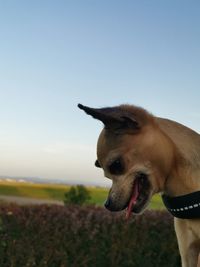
column 134, row 153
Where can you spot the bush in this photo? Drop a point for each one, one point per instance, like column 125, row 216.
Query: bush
column 74, row 236
column 77, row 195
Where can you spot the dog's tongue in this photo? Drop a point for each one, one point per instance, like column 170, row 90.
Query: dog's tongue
column 133, row 199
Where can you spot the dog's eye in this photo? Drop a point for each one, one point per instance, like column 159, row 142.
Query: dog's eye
column 117, row 167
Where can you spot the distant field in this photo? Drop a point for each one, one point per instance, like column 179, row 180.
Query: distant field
column 56, row 192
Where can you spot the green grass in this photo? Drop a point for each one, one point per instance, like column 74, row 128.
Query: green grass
column 56, row 192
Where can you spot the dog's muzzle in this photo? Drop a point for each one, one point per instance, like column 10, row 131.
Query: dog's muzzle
column 111, row 206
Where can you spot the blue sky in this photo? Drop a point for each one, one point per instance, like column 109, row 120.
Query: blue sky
column 55, row 54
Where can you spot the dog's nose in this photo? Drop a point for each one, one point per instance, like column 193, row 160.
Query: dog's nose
column 107, row 204
column 110, row 205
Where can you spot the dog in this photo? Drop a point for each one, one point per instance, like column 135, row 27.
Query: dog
column 143, row 155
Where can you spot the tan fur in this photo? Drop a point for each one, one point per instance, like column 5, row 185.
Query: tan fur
column 170, row 153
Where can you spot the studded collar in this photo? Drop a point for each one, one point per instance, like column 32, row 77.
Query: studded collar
column 185, row 206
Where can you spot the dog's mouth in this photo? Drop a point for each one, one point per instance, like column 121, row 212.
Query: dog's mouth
column 140, row 195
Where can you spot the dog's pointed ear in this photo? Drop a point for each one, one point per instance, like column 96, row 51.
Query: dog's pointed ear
column 115, row 119
column 98, row 113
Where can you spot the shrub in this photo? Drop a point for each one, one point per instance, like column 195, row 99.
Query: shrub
column 74, row 236
column 77, row 195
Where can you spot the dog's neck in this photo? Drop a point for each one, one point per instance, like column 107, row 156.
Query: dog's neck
column 184, row 176
column 182, row 193
column 182, row 180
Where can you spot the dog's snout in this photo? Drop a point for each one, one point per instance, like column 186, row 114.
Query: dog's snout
column 107, row 204
column 111, row 205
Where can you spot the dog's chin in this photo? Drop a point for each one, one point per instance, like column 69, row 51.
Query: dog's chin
column 140, row 195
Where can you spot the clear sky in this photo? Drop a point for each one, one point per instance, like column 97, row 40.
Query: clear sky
column 55, row 54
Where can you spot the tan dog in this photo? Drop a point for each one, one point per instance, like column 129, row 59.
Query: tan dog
column 144, row 155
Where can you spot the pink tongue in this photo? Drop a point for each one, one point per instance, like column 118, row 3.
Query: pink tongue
column 134, row 197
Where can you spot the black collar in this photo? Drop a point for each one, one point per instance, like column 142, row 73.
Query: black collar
column 185, row 206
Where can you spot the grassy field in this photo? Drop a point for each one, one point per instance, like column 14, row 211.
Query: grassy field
column 56, row 192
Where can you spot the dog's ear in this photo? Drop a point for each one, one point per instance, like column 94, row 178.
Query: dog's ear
column 119, row 119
